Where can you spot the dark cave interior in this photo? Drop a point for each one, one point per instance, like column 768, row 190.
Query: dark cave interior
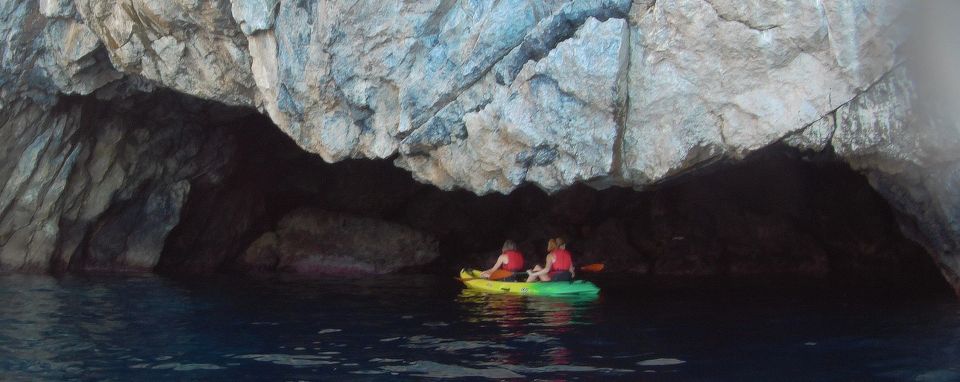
column 778, row 213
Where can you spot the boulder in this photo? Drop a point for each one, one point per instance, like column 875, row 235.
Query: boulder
column 311, row 241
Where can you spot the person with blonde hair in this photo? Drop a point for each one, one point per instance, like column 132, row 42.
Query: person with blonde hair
column 510, row 260
column 558, row 265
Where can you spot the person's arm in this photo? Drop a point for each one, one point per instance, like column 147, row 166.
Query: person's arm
column 496, row 266
column 573, row 270
column 546, row 267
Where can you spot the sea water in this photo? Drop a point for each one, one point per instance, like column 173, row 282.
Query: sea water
column 407, row 327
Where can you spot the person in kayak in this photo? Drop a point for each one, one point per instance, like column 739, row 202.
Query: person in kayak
column 510, row 259
column 557, row 267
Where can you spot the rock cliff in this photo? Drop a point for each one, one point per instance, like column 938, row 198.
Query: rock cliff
column 99, row 153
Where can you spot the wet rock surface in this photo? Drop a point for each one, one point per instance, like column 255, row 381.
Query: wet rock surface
column 97, row 185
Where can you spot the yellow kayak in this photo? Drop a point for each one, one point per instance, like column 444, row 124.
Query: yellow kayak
column 471, row 278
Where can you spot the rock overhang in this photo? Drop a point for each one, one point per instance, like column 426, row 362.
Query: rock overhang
column 488, row 96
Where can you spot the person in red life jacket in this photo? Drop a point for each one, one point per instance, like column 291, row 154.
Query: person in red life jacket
column 510, row 259
column 558, row 266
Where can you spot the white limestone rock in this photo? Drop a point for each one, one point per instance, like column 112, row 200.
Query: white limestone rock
column 815, row 137
column 554, row 125
column 194, row 47
column 254, row 15
column 723, row 78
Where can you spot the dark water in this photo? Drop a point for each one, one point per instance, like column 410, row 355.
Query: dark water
column 402, row 328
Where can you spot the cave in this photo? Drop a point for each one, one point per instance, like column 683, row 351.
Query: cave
column 203, row 153
column 169, row 183
column 779, row 214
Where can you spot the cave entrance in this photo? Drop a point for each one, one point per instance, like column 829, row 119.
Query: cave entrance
column 776, row 213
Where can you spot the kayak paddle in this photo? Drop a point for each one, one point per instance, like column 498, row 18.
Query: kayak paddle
column 498, row 274
column 592, row 267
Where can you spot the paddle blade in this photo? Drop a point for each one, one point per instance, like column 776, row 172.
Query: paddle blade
column 592, row 267
column 500, row 274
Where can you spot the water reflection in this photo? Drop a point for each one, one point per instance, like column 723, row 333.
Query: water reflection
column 518, row 314
column 530, row 319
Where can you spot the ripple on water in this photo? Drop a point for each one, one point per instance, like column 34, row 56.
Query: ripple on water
column 449, row 345
column 430, row 369
column 368, row 372
column 176, row 366
column 661, row 362
column 385, row 360
column 290, row 359
column 536, row 338
column 562, row 368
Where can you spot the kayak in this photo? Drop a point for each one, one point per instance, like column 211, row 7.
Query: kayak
column 471, row 278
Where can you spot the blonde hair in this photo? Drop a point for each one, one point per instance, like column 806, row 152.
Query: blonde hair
column 509, row 245
column 560, row 242
column 551, row 245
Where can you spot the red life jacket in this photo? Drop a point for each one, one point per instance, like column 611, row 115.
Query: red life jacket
column 561, row 260
column 514, row 261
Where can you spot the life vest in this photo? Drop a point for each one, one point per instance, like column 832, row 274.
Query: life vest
column 514, row 261
column 561, row 261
